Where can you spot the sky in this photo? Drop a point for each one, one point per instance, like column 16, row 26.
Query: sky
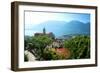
column 33, row 19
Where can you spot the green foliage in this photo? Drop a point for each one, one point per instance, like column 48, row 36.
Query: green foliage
column 25, row 58
column 27, row 42
column 38, row 44
column 53, row 54
column 42, row 41
column 50, row 54
column 79, row 46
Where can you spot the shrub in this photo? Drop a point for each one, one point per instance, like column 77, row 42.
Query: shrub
column 56, row 54
column 79, row 46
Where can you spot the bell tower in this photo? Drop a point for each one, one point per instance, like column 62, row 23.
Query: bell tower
column 44, row 31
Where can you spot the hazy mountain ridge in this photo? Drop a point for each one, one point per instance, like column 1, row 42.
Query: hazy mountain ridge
column 63, row 28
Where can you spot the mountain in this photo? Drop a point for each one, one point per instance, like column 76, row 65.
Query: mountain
column 77, row 27
column 51, row 26
column 60, row 28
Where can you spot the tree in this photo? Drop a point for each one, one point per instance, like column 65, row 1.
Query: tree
column 79, row 46
column 38, row 44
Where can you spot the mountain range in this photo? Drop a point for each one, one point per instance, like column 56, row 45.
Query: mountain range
column 60, row 28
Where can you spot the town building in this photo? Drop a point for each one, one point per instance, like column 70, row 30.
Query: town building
column 50, row 34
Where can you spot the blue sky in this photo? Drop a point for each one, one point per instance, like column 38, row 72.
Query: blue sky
column 33, row 19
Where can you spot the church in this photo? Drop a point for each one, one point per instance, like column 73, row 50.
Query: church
column 50, row 34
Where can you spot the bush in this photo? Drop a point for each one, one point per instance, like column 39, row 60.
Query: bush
column 55, row 54
column 38, row 43
column 79, row 46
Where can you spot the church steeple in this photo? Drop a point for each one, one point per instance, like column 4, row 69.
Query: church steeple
column 44, row 31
